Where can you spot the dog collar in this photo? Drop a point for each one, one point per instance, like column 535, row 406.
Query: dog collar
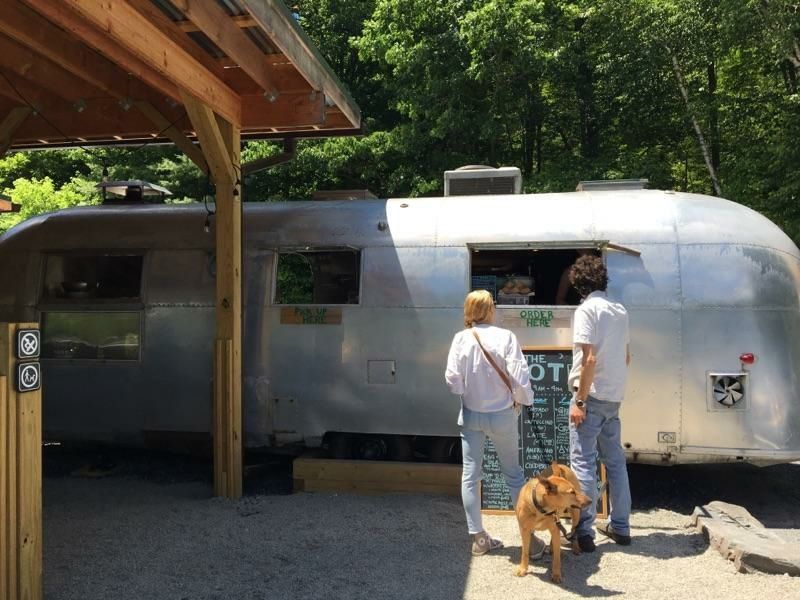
column 538, row 506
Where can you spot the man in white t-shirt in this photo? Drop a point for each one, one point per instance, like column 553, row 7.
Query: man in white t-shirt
column 601, row 355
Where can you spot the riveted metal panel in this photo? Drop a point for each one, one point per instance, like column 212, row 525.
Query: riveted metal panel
column 731, row 275
column 415, row 277
column 713, row 340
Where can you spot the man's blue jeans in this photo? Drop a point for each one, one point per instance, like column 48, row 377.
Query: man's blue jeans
column 501, row 427
column 601, row 431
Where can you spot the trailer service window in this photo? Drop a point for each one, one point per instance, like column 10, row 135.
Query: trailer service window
column 528, row 276
column 323, row 277
column 74, row 277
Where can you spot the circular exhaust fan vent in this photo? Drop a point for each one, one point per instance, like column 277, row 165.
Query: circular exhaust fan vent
column 728, row 390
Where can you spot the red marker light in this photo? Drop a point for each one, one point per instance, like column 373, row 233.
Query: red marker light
column 748, row 358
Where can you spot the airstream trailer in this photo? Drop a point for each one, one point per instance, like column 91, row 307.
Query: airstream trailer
column 350, row 307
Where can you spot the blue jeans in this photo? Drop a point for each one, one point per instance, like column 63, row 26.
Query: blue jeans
column 601, row 431
column 502, row 429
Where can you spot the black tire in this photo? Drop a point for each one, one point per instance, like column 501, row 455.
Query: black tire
column 370, row 447
column 445, row 450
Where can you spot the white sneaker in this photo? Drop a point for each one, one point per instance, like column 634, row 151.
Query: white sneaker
column 483, row 543
column 538, row 548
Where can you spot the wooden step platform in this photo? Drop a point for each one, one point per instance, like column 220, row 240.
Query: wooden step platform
column 375, row 477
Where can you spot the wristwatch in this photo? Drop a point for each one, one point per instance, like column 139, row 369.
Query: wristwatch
column 578, row 402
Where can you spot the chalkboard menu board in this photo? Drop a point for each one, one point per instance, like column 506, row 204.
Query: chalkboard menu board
column 544, row 427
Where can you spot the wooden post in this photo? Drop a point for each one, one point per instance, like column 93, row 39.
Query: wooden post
column 5, row 551
column 220, row 142
column 20, row 478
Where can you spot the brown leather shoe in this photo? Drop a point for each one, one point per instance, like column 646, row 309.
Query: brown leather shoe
column 608, row 531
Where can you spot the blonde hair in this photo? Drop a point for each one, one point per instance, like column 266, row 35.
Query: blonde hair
column 478, row 308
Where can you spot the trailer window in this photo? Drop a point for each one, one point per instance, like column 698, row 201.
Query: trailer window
column 530, row 276
column 324, row 277
column 71, row 277
column 91, row 335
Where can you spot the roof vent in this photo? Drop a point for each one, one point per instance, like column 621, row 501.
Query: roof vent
column 132, row 192
column 606, row 185
column 475, row 180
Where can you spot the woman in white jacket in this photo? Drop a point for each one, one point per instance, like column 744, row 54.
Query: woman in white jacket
column 488, row 407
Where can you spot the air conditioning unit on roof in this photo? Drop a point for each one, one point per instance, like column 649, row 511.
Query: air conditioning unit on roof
column 474, row 180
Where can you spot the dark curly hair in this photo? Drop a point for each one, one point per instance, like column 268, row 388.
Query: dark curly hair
column 588, row 275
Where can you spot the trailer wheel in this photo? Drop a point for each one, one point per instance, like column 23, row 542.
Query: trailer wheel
column 400, row 448
column 371, row 447
column 445, row 450
column 340, row 446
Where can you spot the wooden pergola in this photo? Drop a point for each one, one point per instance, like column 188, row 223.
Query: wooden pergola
column 202, row 74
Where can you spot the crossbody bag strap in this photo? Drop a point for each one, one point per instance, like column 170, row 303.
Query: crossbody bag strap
column 488, row 356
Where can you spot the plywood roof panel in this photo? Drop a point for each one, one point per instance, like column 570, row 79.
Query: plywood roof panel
column 83, row 67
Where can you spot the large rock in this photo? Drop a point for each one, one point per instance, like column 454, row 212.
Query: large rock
column 740, row 537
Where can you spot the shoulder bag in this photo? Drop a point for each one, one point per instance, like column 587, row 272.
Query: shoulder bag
column 517, row 391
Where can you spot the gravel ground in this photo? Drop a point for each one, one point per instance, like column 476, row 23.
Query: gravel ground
column 154, row 533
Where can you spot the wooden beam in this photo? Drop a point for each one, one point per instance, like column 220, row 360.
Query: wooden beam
column 284, row 75
column 295, row 110
column 228, row 364
column 5, row 549
column 241, row 21
column 20, row 62
column 211, row 141
column 6, row 206
column 24, row 93
column 289, row 38
column 212, row 19
column 127, row 27
column 174, row 133
column 104, row 118
column 9, row 557
column 156, row 16
column 41, row 37
column 10, row 124
column 20, row 477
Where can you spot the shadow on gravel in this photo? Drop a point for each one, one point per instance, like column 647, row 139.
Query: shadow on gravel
column 771, row 494
column 575, row 571
column 264, row 473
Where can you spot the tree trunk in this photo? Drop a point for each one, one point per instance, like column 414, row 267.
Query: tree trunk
column 713, row 116
column 700, row 138
column 539, row 147
column 584, row 90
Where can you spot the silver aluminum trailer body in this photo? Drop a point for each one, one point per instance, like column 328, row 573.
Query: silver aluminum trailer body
column 714, row 280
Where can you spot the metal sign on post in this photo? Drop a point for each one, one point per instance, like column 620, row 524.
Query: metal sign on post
column 28, row 344
column 29, row 377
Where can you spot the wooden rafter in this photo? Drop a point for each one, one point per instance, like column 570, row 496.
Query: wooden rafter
column 10, row 124
column 24, row 25
column 211, row 141
column 151, row 12
column 105, row 117
column 238, row 20
column 26, row 93
column 173, row 133
column 21, row 62
column 216, row 24
column 128, row 28
column 287, row 36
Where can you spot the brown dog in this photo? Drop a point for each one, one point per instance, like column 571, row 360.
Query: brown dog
column 541, row 502
column 574, row 514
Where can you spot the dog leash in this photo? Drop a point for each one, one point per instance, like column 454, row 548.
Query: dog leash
column 542, row 510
